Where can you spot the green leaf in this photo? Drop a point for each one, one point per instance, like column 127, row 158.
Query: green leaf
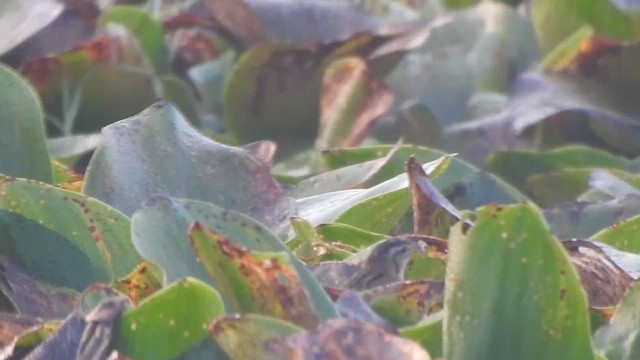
column 159, row 233
column 23, row 151
column 169, row 322
column 428, row 333
column 512, row 291
column 63, row 237
column 620, row 339
column 245, row 336
column 622, row 235
column 158, row 152
column 147, row 31
column 554, row 21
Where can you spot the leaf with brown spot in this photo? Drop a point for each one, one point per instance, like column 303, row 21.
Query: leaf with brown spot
column 433, row 214
column 407, row 302
column 244, row 336
column 348, row 339
column 603, row 280
column 93, row 74
column 260, row 282
column 351, row 100
column 143, row 281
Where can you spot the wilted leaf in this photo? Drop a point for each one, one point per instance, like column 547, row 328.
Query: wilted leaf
column 350, row 102
column 178, row 315
column 23, row 151
column 433, row 214
column 244, row 336
column 63, row 237
column 347, row 339
column 159, row 232
column 33, row 298
column 253, row 282
column 602, row 279
column 158, row 152
column 511, row 291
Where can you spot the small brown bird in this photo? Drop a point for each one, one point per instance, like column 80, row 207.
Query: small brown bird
column 386, row 263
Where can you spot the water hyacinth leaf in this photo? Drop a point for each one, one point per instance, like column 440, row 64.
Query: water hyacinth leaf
column 348, row 235
column 160, row 233
column 50, row 233
column 463, row 184
column 23, row 151
column 135, row 162
column 427, row 333
column 253, row 282
column 82, row 88
column 618, row 340
column 508, row 164
column 147, row 31
column 31, row 297
column 433, row 214
column 612, row 185
column 381, row 214
column 602, row 279
column 346, row 338
column 350, row 102
column 622, row 235
column 510, row 251
column 244, row 336
column 179, row 315
column 554, row 23
column 142, row 282
column 581, row 220
column 74, row 145
column 309, row 245
column 553, row 188
column 406, row 303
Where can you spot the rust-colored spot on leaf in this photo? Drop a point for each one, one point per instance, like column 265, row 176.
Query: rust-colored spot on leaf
column 139, row 284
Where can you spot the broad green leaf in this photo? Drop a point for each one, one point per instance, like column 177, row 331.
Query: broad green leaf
column 62, row 237
column 463, row 184
column 159, row 233
column 158, row 152
column 518, row 165
column 147, row 31
column 23, row 151
column 428, row 333
column 168, row 323
column 619, row 339
column 622, row 235
column 512, row 292
column 245, row 336
column 554, row 21
column 252, row 281
column 381, row 214
column 310, row 247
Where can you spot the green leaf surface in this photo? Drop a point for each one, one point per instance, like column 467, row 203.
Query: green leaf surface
column 622, row 235
column 158, row 152
column 244, row 336
column 62, row 237
column 512, row 292
column 159, row 233
column 23, row 151
column 428, row 333
column 169, row 322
